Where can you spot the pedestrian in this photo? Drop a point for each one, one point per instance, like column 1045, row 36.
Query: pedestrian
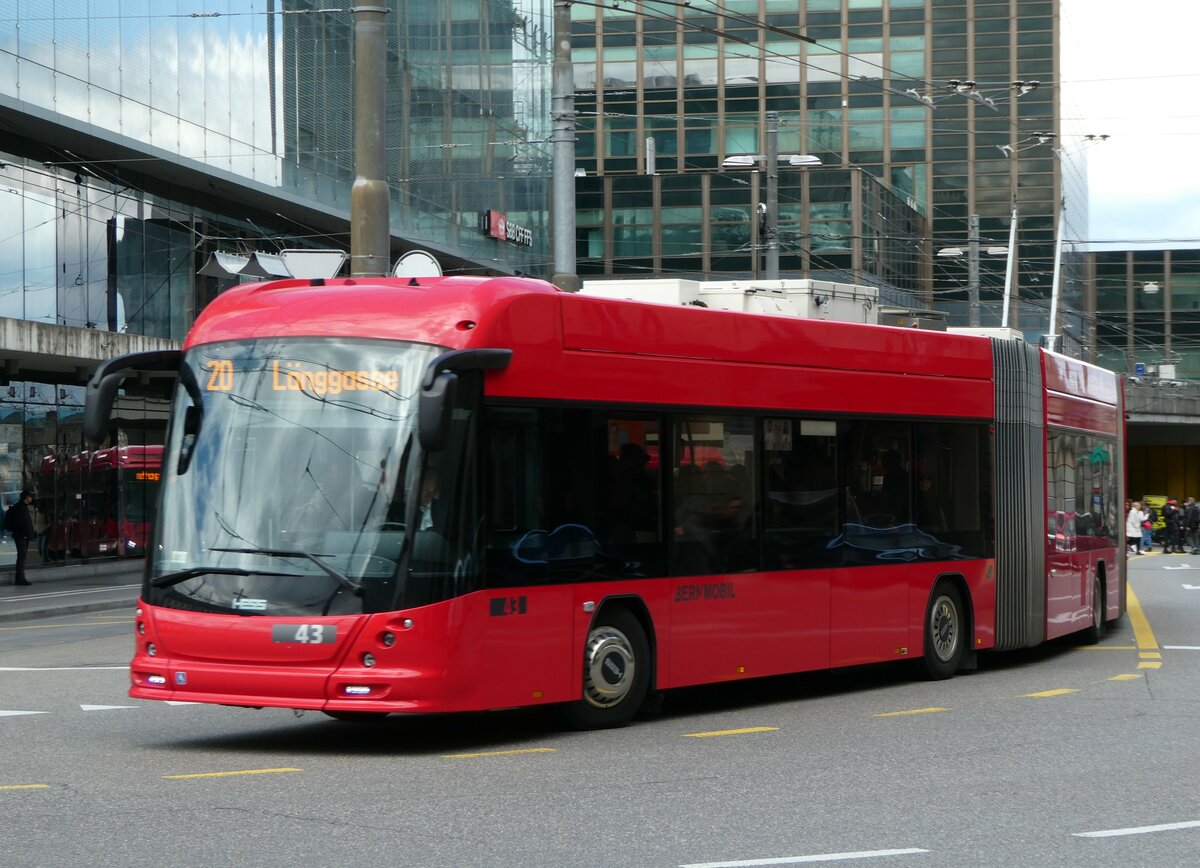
column 1133, row 527
column 19, row 522
column 1173, row 516
column 1191, row 524
column 1148, row 523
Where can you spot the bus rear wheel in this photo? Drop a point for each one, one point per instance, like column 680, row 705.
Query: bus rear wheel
column 945, row 633
column 616, row 673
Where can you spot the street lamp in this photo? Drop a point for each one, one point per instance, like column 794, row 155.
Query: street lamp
column 771, row 160
column 750, row 161
column 973, row 267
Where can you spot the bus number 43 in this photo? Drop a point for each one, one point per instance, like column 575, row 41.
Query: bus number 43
column 304, row 634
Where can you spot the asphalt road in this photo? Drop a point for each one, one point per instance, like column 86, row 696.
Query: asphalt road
column 1058, row 756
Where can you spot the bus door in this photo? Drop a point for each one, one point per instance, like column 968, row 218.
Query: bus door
column 879, row 539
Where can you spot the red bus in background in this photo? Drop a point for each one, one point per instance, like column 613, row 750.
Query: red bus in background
column 101, row 503
column 452, row 494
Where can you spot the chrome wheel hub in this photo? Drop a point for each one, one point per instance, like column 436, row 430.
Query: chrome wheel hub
column 944, row 628
column 609, row 667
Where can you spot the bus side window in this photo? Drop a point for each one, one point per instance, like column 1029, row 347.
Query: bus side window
column 560, row 506
column 801, row 494
column 714, row 506
column 629, row 499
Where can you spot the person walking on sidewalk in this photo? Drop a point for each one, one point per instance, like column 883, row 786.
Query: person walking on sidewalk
column 1191, row 525
column 1173, row 516
column 19, row 522
column 1133, row 528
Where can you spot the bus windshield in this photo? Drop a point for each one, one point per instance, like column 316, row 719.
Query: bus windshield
column 285, row 476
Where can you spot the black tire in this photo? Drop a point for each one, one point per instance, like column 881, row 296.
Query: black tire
column 616, row 673
column 356, row 716
column 1095, row 633
column 945, row 633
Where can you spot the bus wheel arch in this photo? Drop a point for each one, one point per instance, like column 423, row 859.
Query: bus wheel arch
column 617, row 667
column 947, row 627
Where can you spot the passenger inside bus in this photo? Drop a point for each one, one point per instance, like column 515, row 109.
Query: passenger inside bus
column 712, row 530
column 931, row 516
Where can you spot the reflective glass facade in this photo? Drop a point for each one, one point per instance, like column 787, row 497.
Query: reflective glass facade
column 262, row 90
column 144, row 135
column 918, row 93
column 1157, row 330
column 834, row 224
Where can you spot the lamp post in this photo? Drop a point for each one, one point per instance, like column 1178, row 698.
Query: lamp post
column 562, row 111
column 974, row 318
column 370, row 223
column 772, row 159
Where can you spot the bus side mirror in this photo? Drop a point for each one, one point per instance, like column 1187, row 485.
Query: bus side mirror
column 108, row 377
column 433, row 411
column 440, row 385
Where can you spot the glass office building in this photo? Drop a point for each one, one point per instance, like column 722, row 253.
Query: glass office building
column 142, row 135
column 950, row 104
column 1147, row 312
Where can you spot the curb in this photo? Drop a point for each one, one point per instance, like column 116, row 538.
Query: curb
column 70, row 609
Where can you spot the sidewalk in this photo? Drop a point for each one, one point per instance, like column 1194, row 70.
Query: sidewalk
column 67, row 589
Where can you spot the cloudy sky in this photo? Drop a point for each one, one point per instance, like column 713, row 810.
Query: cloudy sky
column 1133, row 71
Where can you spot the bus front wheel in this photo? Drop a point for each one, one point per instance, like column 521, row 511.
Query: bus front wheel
column 616, row 673
column 945, row 632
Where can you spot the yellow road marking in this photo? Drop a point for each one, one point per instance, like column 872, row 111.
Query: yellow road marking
column 1127, row 677
column 914, row 711
column 1146, row 664
column 743, row 731
column 24, row 787
column 1142, row 633
column 52, row 626
column 499, row 753
column 1062, row 691
column 1150, row 655
column 230, row 774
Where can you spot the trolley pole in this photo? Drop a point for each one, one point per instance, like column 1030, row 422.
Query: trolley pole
column 772, row 135
column 370, row 223
column 562, row 134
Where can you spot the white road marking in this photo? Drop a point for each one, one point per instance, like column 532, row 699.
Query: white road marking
column 57, row 668
column 176, row 702
column 104, row 707
column 1181, row 647
column 1139, row 830
column 799, row 860
column 1191, row 587
column 1181, row 567
column 17, row 713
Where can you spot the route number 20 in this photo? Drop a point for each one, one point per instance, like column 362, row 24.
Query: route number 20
column 220, row 375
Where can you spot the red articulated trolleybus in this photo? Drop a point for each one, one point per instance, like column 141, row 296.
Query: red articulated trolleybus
column 102, row 502
column 460, row 493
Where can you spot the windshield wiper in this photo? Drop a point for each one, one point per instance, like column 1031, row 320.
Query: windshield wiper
column 191, row 572
column 341, row 578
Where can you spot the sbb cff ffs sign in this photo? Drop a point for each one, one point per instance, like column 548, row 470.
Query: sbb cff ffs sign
column 495, row 224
